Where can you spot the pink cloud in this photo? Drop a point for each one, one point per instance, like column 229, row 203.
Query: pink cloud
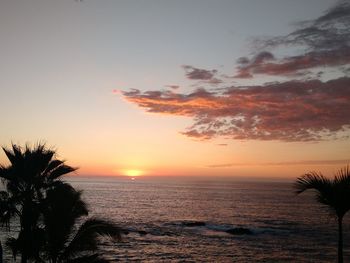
column 291, row 111
column 116, row 91
column 296, row 110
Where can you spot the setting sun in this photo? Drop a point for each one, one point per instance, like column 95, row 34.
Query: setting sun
column 133, row 172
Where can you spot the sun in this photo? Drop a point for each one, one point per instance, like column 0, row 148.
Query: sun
column 133, row 172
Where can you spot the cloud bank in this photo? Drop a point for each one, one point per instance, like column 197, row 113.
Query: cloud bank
column 300, row 109
column 290, row 111
column 325, row 40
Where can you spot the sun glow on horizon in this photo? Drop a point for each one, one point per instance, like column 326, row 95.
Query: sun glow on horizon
column 132, row 172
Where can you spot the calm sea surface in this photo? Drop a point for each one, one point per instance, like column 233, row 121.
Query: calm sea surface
column 286, row 227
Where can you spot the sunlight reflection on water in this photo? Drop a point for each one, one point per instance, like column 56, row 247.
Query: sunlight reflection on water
column 285, row 227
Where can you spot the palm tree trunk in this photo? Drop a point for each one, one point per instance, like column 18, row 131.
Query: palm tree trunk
column 340, row 239
column 1, row 254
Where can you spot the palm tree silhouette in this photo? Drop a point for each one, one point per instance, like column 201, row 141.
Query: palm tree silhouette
column 48, row 210
column 63, row 209
column 30, row 173
column 335, row 194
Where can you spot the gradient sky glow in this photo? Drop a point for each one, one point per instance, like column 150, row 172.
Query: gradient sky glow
column 78, row 76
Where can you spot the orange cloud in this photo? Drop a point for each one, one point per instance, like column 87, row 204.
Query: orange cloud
column 296, row 110
column 290, row 111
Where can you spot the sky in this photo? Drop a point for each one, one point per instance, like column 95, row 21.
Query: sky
column 197, row 87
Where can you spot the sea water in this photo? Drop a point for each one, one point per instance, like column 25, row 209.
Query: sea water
column 154, row 211
column 285, row 227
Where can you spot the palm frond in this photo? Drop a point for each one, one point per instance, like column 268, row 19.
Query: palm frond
column 53, row 165
column 335, row 194
column 343, row 176
column 312, row 180
column 322, row 186
column 63, row 206
column 86, row 239
column 64, row 201
column 341, row 186
column 60, row 171
column 38, row 157
column 14, row 155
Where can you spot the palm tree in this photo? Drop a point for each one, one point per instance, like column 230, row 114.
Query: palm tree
column 30, row 173
column 63, row 209
column 335, row 194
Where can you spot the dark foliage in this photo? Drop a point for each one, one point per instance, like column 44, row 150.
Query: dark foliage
column 334, row 194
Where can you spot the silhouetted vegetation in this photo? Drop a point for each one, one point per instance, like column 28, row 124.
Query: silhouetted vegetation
column 335, row 194
column 48, row 210
column 63, row 208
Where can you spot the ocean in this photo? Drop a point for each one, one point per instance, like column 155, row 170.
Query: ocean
column 285, row 227
column 158, row 214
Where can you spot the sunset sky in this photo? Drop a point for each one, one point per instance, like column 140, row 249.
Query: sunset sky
column 197, row 87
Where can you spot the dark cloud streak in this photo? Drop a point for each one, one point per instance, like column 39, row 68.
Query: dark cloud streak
column 306, row 162
column 326, row 41
column 199, row 74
